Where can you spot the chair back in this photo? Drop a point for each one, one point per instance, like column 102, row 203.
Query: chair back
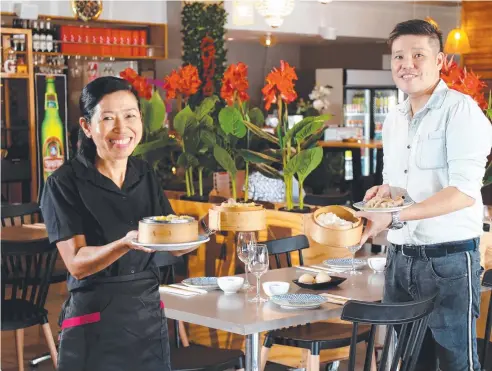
column 284, row 246
column 487, row 282
column 26, row 270
column 409, row 318
column 18, row 214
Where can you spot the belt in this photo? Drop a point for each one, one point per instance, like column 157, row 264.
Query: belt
column 437, row 250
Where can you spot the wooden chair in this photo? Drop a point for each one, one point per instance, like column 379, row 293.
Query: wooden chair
column 315, row 336
column 193, row 357
column 484, row 345
column 410, row 318
column 26, row 271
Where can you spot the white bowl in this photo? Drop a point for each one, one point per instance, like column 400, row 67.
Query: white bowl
column 272, row 288
column 377, row 264
column 230, row 284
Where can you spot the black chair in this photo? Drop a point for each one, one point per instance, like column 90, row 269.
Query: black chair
column 484, row 345
column 197, row 357
column 342, row 198
column 410, row 318
column 26, row 269
column 314, row 336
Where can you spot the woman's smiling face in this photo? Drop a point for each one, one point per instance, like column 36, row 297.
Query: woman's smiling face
column 116, row 126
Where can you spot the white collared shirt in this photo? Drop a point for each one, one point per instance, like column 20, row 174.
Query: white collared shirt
column 445, row 144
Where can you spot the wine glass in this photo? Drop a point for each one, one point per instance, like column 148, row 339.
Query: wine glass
column 258, row 265
column 353, row 249
column 245, row 242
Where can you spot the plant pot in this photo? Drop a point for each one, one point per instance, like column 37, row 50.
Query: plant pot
column 195, row 198
column 305, row 210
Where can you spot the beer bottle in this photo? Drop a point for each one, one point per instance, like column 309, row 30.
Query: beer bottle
column 52, row 133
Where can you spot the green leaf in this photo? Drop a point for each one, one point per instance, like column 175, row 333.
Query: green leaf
column 255, row 157
column 304, row 163
column 154, row 112
column 268, row 171
column 207, row 137
column 256, row 117
column 308, row 130
column 187, row 160
column 275, row 153
column 191, row 140
column 207, row 106
column 231, row 122
column 183, row 120
column 313, row 139
column 260, row 133
column 225, row 160
column 145, row 148
column 207, row 122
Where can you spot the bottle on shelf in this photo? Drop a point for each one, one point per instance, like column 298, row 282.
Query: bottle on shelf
column 42, row 37
column 49, row 37
column 36, row 37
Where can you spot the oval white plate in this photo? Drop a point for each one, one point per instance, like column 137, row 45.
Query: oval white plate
column 361, row 206
column 205, row 283
column 173, row 246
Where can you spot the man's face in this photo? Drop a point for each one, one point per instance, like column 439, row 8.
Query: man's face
column 415, row 63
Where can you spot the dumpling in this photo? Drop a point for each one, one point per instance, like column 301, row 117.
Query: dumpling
column 306, row 278
column 323, row 277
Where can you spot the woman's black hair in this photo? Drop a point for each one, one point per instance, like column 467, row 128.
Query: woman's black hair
column 91, row 95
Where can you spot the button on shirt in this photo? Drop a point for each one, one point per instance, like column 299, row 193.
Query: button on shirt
column 445, row 144
column 79, row 200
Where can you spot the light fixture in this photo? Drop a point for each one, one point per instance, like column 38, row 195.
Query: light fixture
column 274, row 11
column 457, row 42
column 432, row 22
column 268, row 40
column 243, row 13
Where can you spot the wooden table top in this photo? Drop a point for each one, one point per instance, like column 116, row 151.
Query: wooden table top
column 234, row 313
column 26, row 232
column 374, row 144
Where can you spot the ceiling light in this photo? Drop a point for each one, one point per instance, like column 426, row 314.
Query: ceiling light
column 432, row 22
column 274, row 11
column 268, row 40
column 457, row 42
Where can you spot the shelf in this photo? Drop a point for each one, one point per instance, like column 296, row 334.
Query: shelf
column 4, row 75
column 128, row 58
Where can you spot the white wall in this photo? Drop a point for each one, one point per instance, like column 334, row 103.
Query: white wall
column 120, row 10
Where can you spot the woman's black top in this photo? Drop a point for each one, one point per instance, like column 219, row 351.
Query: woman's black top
column 79, row 200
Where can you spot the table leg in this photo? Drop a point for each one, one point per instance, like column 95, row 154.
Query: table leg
column 379, row 167
column 253, row 352
column 357, row 191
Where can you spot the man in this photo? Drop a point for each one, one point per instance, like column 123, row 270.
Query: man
column 435, row 147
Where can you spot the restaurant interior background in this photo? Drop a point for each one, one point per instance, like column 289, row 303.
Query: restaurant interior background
column 337, row 43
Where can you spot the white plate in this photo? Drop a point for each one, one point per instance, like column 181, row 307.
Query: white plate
column 173, row 246
column 204, row 283
column 344, row 263
column 298, row 301
column 361, row 206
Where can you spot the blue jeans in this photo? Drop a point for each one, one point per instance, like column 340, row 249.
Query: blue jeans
column 450, row 341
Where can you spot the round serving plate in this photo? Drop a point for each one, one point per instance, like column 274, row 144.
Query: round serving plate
column 173, row 246
column 361, row 206
column 298, row 301
column 204, row 283
column 344, row 263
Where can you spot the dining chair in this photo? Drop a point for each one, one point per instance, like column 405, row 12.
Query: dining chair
column 314, row 336
column 26, row 271
column 484, row 345
column 409, row 318
column 196, row 357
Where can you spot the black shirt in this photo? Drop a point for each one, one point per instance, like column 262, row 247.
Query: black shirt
column 79, row 200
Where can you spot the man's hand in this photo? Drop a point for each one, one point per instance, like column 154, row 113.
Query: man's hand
column 376, row 223
column 380, row 191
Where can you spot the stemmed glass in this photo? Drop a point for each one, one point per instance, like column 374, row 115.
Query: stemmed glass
column 258, row 265
column 353, row 250
column 245, row 242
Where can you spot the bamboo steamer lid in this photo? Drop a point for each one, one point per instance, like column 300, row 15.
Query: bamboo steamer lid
column 154, row 231
column 336, row 235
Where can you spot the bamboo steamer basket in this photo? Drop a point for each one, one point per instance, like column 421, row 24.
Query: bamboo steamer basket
column 154, row 231
column 237, row 218
column 336, row 235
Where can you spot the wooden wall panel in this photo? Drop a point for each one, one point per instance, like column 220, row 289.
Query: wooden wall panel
column 475, row 19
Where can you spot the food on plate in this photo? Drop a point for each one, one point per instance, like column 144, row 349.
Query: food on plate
column 330, row 219
column 323, row 277
column 233, row 203
column 173, row 218
column 167, row 229
column 384, row 202
column 306, row 278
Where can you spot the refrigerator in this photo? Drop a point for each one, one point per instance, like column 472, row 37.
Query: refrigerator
column 360, row 102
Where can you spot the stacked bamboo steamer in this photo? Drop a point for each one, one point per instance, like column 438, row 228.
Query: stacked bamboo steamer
column 167, row 230
column 237, row 217
column 336, row 235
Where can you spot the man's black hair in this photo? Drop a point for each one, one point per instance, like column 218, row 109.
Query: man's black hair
column 416, row 27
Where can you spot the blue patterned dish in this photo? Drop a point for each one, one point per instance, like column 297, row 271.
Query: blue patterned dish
column 206, row 283
column 345, row 263
column 298, row 301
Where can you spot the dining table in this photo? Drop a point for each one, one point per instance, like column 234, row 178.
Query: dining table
column 236, row 314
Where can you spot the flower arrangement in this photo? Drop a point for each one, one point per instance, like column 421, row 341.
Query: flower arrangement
column 319, row 96
column 181, row 84
column 208, row 59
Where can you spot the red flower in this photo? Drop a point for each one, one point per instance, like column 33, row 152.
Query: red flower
column 208, row 59
column 235, row 83
column 171, row 85
column 185, row 81
column 280, row 83
column 463, row 81
column 141, row 85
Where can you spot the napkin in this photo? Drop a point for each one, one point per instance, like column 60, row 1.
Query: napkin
column 335, row 299
column 176, row 291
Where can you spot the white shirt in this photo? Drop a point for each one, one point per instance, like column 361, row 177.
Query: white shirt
column 445, row 144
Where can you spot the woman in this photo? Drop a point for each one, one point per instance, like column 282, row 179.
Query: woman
column 113, row 319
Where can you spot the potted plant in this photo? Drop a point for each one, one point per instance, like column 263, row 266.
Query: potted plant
column 297, row 152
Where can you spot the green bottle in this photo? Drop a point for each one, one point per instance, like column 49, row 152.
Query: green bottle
column 52, row 133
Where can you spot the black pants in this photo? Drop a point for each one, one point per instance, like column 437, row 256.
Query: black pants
column 116, row 324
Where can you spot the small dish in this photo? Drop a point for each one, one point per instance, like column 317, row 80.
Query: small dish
column 272, row 288
column 377, row 264
column 205, row 283
column 345, row 263
column 298, row 301
column 335, row 281
column 230, row 284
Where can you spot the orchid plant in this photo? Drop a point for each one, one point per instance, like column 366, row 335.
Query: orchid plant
column 319, row 97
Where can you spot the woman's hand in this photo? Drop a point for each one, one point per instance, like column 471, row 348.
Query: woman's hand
column 127, row 241
column 379, row 191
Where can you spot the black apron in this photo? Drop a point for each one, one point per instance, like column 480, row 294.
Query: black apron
column 115, row 323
